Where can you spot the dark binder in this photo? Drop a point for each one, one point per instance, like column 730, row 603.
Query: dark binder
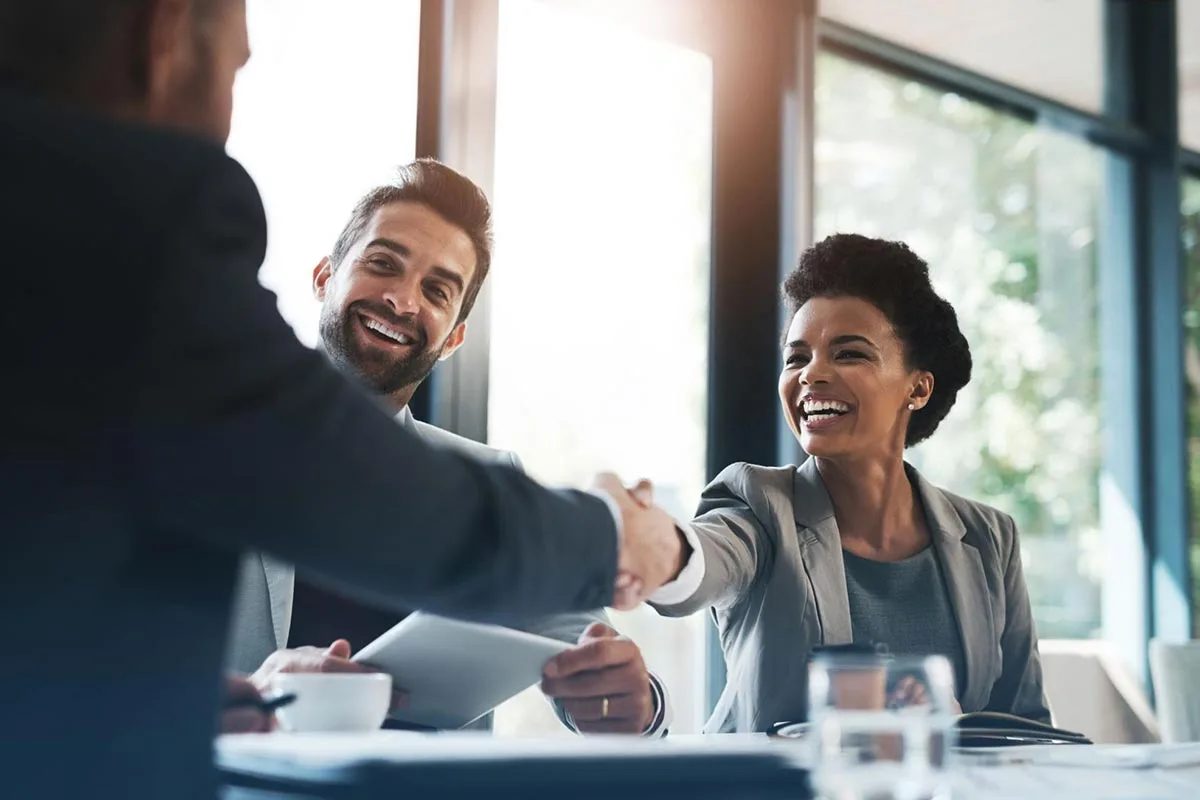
column 978, row 729
column 993, row 729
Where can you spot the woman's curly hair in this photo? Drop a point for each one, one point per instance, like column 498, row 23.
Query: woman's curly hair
column 896, row 281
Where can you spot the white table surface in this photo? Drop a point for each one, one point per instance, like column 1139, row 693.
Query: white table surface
column 1102, row 772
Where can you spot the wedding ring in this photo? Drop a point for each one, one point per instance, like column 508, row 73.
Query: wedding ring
column 604, row 708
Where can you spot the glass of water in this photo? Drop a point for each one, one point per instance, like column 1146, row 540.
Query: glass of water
column 882, row 726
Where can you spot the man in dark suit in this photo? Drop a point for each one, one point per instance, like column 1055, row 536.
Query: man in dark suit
column 161, row 418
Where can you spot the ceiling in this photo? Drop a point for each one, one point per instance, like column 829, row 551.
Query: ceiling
column 1051, row 47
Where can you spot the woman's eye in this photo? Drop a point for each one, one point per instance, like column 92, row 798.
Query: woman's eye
column 852, row 354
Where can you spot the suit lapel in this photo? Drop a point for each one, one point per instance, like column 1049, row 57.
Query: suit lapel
column 821, row 551
column 966, row 584
column 281, row 585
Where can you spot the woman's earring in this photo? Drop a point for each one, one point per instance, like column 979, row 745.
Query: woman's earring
column 911, row 407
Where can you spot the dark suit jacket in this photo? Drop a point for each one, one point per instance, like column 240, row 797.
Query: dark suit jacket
column 160, row 418
column 263, row 598
column 774, row 577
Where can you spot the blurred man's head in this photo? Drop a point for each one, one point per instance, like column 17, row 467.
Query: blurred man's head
column 162, row 62
column 402, row 278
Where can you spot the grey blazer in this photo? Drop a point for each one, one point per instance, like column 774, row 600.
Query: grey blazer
column 262, row 612
column 775, row 582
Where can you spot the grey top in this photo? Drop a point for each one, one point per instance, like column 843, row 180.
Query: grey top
column 904, row 605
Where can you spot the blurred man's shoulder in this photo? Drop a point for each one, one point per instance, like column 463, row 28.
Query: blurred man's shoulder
column 115, row 164
column 444, row 438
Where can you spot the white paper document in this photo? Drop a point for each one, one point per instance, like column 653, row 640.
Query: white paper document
column 455, row 671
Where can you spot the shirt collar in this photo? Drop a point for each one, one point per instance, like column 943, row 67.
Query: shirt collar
column 404, row 417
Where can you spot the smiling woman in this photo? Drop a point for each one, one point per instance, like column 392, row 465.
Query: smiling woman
column 873, row 362
column 861, row 300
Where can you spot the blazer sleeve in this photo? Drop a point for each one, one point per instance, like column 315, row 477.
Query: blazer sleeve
column 248, row 439
column 1019, row 690
column 735, row 542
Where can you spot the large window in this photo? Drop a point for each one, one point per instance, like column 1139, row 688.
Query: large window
column 1191, row 369
column 324, row 111
column 600, row 284
column 1006, row 215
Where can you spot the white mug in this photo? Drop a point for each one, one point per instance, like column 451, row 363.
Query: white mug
column 330, row 702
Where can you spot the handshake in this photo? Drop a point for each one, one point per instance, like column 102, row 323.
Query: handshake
column 653, row 548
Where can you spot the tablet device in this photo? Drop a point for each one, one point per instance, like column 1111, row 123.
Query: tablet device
column 455, row 671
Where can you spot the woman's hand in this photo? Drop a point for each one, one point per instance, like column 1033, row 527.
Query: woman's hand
column 911, row 692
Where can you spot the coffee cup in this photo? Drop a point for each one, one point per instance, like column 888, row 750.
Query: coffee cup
column 334, row 702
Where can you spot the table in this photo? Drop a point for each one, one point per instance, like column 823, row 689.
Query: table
column 471, row 765
column 1103, row 772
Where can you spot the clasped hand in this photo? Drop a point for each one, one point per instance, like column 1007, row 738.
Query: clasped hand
column 653, row 549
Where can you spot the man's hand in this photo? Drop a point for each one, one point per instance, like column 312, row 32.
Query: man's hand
column 243, row 719
column 602, row 682
column 653, row 549
column 335, row 658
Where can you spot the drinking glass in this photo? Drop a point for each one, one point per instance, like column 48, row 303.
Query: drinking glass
column 882, row 726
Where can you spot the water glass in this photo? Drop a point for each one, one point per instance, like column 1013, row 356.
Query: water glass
column 882, row 726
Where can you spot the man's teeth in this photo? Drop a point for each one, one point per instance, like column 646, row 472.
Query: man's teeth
column 823, row 409
column 395, row 336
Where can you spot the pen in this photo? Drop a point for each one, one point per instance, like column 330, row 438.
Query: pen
column 266, row 705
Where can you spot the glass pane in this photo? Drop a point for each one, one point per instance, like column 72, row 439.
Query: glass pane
column 324, row 111
column 1191, row 370
column 1050, row 48
column 1006, row 215
column 1188, row 22
column 600, row 287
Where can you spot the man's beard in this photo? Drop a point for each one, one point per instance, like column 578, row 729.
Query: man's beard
column 382, row 372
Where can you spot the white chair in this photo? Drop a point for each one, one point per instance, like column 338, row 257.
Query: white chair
column 1091, row 691
column 1175, row 670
